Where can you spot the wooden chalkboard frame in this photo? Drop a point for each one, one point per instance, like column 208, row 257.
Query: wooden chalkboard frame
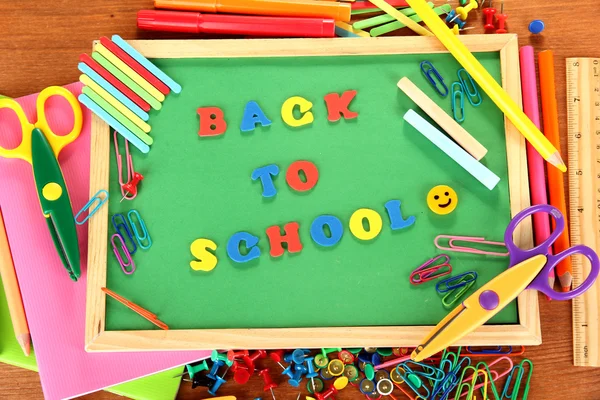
column 97, row 339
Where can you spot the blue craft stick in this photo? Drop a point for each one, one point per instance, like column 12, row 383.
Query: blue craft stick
column 106, row 117
column 126, row 47
column 106, row 85
column 454, row 151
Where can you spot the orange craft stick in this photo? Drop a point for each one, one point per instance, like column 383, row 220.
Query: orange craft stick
column 139, row 310
column 564, row 270
column 283, row 8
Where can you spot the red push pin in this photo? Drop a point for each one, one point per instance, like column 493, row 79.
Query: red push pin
column 131, row 187
column 232, row 355
column 489, row 13
column 277, row 356
column 269, row 384
column 326, row 394
column 249, row 360
column 501, row 20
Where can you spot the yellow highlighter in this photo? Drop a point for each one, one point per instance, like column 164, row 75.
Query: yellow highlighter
column 137, row 78
column 488, row 84
column 390, row 10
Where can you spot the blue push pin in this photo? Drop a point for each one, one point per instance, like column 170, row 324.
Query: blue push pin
column 213, row 389
column 298, row 356
column 287, row 357
column 311, row 374
column 288, row 371
column 213, row 370
column 536, row 26
column 296, row 379
column 376, row 359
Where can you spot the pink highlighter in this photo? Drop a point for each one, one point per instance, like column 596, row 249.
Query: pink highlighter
column 194, row 22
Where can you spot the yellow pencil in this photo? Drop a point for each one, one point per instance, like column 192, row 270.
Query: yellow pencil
column 498, row 95
column 12, row 291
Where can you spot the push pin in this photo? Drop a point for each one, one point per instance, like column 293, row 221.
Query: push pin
column 346, row 357
column 463, row 12
column 336, row 367
column 213, row 370
column 249, row 360
column 298, row 356
column 130, row 188
column 311, row 374
column 218, row 382
column 375, row 359
column 326, row 394
column 501, row 20
column 200, row 380
column 232, row 355
column 330, row 350
column 277, row 356
column 299, row 370
column 321, row 361
column 269, row 384
column 241, row 376
column 288, row 371
column 192, row 369
column 316, row 386
column 215, row 355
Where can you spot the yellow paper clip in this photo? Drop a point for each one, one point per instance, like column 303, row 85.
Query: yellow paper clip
column 469, row 239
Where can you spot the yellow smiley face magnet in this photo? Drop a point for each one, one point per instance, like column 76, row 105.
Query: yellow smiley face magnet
column 442, row 199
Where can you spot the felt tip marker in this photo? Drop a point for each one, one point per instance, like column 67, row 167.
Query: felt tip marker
column 193, row 22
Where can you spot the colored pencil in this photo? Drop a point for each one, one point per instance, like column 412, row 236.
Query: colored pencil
column 12, row 291
column 564, row 270
column 535, row 162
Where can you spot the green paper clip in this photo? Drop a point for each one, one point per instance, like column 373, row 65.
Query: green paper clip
column 458, row 102
column 144, row 240
column 467, row 82
column 455, row 295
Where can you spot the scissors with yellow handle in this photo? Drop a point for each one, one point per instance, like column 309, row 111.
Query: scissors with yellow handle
column 528, row 269
column 40, row 147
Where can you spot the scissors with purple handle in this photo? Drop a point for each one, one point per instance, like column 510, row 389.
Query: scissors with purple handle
column 528, row 269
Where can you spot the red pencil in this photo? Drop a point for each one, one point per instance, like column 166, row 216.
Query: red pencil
column 90, row 62
column 136, row 66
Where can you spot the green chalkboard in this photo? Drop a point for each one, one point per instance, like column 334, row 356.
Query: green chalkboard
column 201, row 188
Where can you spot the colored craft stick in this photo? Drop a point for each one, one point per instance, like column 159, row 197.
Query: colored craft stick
column 137, row 309
column 126, row 47
column 498, row 95
column 104, row 84
column 91, row 63
column 381, row 19
column 385, row 7
column 535, row 163
column 117, row 115
column 343, row 29
column 564, row 270
column 134, row 76
column 126, row 80
column 392, row 26
column 115, row 103
column 136, row 66
column 361, row 5
column 454, row 151
column 110, row 120
column 446, row 122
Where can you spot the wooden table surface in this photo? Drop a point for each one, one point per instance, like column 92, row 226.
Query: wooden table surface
column 40, row 42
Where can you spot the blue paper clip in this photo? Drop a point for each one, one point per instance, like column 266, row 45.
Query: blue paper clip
column 88, row 205
column 145, row 237
column 494, row 350
column 427, row 68
column 458, row 93
column 122, row 225
column 473, row 96
column 455, row 282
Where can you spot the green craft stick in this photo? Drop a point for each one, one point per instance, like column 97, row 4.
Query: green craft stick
column 127, row 81
column 392, row 26
column 117, row 115
column 382, row 19
column 369, row 10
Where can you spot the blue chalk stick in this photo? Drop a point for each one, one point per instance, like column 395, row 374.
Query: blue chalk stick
column 126, row 47
column 106, row 117
column 106, row 85
column 454, row 151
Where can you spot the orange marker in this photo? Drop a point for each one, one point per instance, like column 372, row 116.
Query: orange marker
column 283, row 8
column 564, row 270
column 134, row 307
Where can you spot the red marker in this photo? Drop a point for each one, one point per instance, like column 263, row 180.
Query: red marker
column 193, row 22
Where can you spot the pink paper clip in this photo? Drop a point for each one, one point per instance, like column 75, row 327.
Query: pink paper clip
column 127, row 266
column 430, row 270
column 130, row 170
column 469, row 239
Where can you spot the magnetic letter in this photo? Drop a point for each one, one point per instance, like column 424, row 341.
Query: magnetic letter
column 206, row 261
column 293, row 175
column 265, row 173
column 395, row 214
column 212, row 121
column 233, row 247
column 337, row 106
column 287, row 111
column 372, row 217
column 291, row 238
column 318, row 234
column 253, row 115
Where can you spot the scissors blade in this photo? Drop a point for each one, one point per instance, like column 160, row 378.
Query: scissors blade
column 482, row 305
column 71, row 263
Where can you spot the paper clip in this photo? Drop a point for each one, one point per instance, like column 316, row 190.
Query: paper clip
column 145, row 235
column 517, row 385
column 127, row 265
column 139, row 310
column 428, row 69
column 414, row 382
column 455, row 295
column 473, row 96
column 468, row 239
column 122, row 225
column 130, row 170
column 455, row 282
column 458, row 94
column 96, row 198
column 492, row 351
column 429, row 271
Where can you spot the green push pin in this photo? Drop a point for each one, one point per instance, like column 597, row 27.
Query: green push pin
column 355, row 350
column 321, row 361
column 215, row 355
column 193, row 369
column 384, row 351
column 330, row 350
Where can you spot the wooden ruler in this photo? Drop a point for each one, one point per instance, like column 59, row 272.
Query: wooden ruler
column 583, row 106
